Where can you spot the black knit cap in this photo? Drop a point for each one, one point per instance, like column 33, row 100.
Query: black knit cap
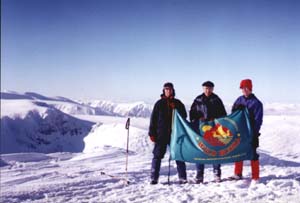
column 208, row 84
column 168, row 84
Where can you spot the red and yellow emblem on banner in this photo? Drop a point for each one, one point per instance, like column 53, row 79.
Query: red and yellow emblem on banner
column 217, row 136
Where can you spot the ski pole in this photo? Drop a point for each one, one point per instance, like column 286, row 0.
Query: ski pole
column 169, row 172
column 127, row 127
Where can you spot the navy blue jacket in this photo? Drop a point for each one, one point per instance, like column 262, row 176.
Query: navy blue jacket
column 161, row 118
column 255, row 109
column 207, row 107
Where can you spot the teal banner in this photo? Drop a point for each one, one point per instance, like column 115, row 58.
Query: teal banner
column 222, row 140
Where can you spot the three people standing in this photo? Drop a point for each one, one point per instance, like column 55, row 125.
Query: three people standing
column 206, row 107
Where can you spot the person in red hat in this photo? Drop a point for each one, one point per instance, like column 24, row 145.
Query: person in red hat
column 255, row 108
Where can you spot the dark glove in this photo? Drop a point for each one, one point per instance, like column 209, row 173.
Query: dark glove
column 255, row 141
column 238, row 107
column 152, row 138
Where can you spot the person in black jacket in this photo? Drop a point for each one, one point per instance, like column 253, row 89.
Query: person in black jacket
column 160, row 130
column 207, row 107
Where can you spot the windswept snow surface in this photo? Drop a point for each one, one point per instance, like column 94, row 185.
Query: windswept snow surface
column 97, row 173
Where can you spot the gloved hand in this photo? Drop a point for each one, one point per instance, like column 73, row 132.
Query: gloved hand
column 172, row 105
column 152, row 138
column 238, row 107
column 255, row 141
column 202, row 119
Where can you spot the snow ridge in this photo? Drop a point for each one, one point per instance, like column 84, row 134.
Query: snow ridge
column 41, row 128
column 136, row 109
column 93, row 107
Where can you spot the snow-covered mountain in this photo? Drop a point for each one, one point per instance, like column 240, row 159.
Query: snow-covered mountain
column 136, row 109
column 92, row 107
column 32, row 126
column 31, row 122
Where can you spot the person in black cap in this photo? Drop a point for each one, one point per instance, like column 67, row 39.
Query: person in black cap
column 160, row 131
column 207, row 107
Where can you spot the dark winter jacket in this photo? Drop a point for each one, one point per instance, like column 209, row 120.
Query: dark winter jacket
column 255, row 109
column 207, row 107
column 161, row 118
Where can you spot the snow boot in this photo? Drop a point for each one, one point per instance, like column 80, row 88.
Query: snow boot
column 235, row 177
column 182, row 181
column 217, row 179
column 153, row 182
column 199, row 180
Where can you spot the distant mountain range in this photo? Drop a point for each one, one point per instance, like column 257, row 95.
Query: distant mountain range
column 91, row 107
column 32, row 122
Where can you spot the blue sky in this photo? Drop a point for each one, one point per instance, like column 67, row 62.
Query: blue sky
column 125, row 50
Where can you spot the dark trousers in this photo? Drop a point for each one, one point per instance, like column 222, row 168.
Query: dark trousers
column 158, row 154
column 255, row 145
column 200, row 170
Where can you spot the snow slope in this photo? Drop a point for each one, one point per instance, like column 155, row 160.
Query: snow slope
column 95, row 175
column 84, row 177
column 31, row 126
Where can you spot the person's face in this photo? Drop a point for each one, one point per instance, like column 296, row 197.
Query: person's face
column 208, row 90
column 246, row 92
column 168, row 91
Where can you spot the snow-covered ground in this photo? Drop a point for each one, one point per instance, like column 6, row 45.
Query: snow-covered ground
column 96, row 174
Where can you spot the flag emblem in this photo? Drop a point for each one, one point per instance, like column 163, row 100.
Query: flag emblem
column 217, row 135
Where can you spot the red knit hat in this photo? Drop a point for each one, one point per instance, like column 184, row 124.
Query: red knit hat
column 246, row 83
